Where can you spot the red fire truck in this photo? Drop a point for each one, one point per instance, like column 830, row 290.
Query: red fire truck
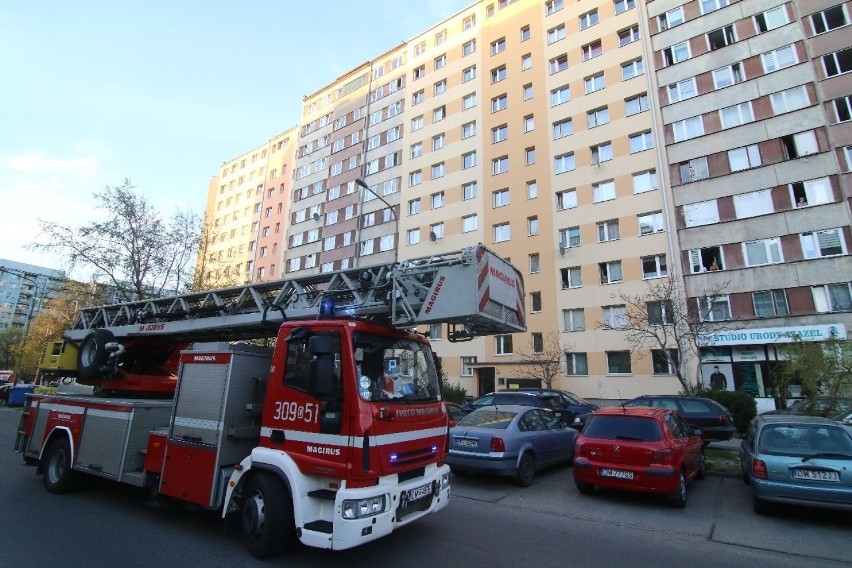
column 336, row 435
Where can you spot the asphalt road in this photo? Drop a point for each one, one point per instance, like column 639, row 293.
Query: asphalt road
column 489, row 522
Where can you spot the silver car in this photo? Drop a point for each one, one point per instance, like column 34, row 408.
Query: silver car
column 510, row 440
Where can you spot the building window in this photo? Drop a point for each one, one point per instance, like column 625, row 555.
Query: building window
column 770, row 303
column 830, row 19
column 571, row 277
column 833, row 297
column 525, row 33
column 701, row 213
column 501, row 233
column 736, row 115
column 469, row 223
column 527, row 91
column 532, row 189
column 650, row 223
column 627, row 36
column 556, row 34
column 498, row 74
column 439, row 113
column 654, row 266
column 529, row 156
column 608, row 231
column 601, row 153
column 552, row 6
column 753, row 203
column 467, row 366
column 499, row 133
column 714, row 308
column 727, row 76
column 744, row 158
column 469, row 22
column 758, row 253
column 644, row 181
column 469, row 74
column 660, row 312
column 624, row 5
column 816, row 244
column 437, row 200
column 641, row 141
column 500, row 165
column 594, row 83
column 569, row 237
column 694, row 170
column 469, row 190
column 468, row 160
column 499, row 103
column 468, row 47
column 503, row 344
column 688, row 128
column 670, row 19
column 799, row 145
column 591, row 50
column 438, row 170
column 717, row 39
column 415, row 178
column 498, row 45
column 438, row 141
column 811, row 192
column 618, row 363
column 535, row 302
column 529, row 123
column 414, row 206
column 682, row 90
column 589, row 19
column 603, row 191
column 562, row 128
column 632, row 69
column 500, row 198
column 560, row 95
column 779, row 58
column 468, row 130
column 708, row 6
column 417, row 150
column 558, row 64
column 576, row 364
column 614, row 317
column 597, row 117
column 574, row 320
column 662, row 361
column 771, row 19
column 843, row 108
column 564, row 163
column 637, row 104
column 440, row 62
column 535, row 263
column 610, row 272
column 676, row 53
column 436, row 231
column 789, row 100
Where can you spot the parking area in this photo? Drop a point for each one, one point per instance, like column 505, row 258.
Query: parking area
column 719, row 509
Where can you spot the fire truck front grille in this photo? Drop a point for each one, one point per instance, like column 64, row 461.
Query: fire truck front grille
column 411, row 474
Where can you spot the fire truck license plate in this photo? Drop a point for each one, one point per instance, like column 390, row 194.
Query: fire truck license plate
column 419, row 492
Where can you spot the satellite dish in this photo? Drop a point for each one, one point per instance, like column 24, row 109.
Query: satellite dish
column 316, row 216
column 432, row 236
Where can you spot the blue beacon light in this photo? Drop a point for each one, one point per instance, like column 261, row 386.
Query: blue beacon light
column 326, row 309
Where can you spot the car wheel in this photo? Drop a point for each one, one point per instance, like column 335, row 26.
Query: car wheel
column 267, row 516
column 702, row 466
column 760, row 506
column 585, row 488
column 678, row 498
column 58, row 477
column 526, row 471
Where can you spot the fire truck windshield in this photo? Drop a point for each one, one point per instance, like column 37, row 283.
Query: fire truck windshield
column 395, row 370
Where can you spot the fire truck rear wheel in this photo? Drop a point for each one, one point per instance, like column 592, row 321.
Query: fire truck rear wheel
column 57, row 475
column 92, row 353
column 267, row 516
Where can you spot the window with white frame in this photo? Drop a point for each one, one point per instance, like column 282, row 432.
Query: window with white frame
column 525, row 33
column 532, row 226
column 498, row 74
column 688, row 128
column 500, row 165
column 436, row 229
column 468, row 47
column 590, row 51
column 589, row 19
column 566, row 199
column 708, row 6
column 367, row 247
column 830, row 19
column 413, row 236
column 503, row 344
column 526, row 63
column 811, row 192
column 664, row 362
column 438, row 170
column 771, row 19
column 439, row 113
column 469, row 190
column 627, row 36
column 722, row 37
column 641, row 141
column 736, row 115
column 682, row 90
column 670, row 19
column 761, row 252
column 386, row 243
column 571, row 277
column 437, row 199
column 570, row 237
column 728, row 75
column 753, row 203
column 552, row 6
column 499, row 133
column 779, row 58
column 660, row 312
column 534, row 263
column 603, row 191
column 438, row 141
column 414, row 207
column 529, row 155
column 676, row 53
column 556, row 34
column 614, row 317
column 467, row 366
column 714, row 308
column 701, row 213
column 564, row 163
column 468, row 101
column 618, row 363
column 560, row 95
column 624, row 5
column 594, row 83
column 435, row 331
column 632, row 69
column 562, row 128
column 500, row 198
column 644, row 181
column 417, row 150
column 415, row 178
column 843, row 108
column 832, row 297
column 417, row 123
column 650, row 223
column 574, row 320
column 654, row 266
column 744, row 158
column 790, row 100
column 498, row 45
column 469, row 223
column 597, row 117
column 610, row 272
column 499, row 103
column 608, row 231
column 418, row 73
column 800, row 144
column 637, row 104
column 559, row 63
column 532, row 189
column 529, row 123
column 468, row 129
column 469, row 22
column 829, row 242
column 469, row 74
column 601, row 153
column 576, row 363
column 468, row 160
column 501, row 232
column 770, row 303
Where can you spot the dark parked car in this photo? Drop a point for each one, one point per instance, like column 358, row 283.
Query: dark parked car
column 797, row 460
column 566, row 404
column 454, row 413
column 715, row 421
column 510, row 440
column 640, row 449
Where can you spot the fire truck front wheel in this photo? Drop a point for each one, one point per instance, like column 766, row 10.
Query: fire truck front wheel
column 267, row 516
column 57, row 475
column 92, row 353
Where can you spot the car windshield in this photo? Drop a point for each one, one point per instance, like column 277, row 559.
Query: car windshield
column 395, row 370
column 488, row 418
column 614, row 427
column 805, row 440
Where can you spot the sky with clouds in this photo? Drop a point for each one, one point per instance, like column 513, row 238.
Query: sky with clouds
column 162, row 92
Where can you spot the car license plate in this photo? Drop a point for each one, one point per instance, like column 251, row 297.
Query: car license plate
column 419, row 492
column 815, row 475
column 466, row 442
column 616, row 473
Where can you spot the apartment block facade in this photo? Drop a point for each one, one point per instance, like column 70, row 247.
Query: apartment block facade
column 563, row 135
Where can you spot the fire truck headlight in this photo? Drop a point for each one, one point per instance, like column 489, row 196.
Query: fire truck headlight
column 445, row 481
column 361, row 508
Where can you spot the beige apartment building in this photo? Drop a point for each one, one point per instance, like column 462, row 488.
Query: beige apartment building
column 563, row 135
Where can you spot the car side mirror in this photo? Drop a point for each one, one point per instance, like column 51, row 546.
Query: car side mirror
column 697, row 432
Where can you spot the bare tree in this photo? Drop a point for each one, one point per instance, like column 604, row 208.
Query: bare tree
column 661, row 318
column 543, row 361
column 205, row 274
column 140, row 254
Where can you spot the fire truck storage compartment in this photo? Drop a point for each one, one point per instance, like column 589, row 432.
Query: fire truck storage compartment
column 216, row 418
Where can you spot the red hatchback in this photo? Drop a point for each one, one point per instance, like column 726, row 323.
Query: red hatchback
column 651, row 450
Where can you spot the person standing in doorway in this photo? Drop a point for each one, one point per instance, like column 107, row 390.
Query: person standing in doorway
column 718, row 381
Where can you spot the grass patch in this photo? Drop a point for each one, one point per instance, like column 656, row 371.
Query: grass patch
column 723, row 461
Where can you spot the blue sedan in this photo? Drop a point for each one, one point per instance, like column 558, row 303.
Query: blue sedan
column 798, row 460
column 510, row 440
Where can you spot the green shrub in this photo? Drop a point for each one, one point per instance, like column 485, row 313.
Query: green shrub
column 454, row 393
column 741, row 404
